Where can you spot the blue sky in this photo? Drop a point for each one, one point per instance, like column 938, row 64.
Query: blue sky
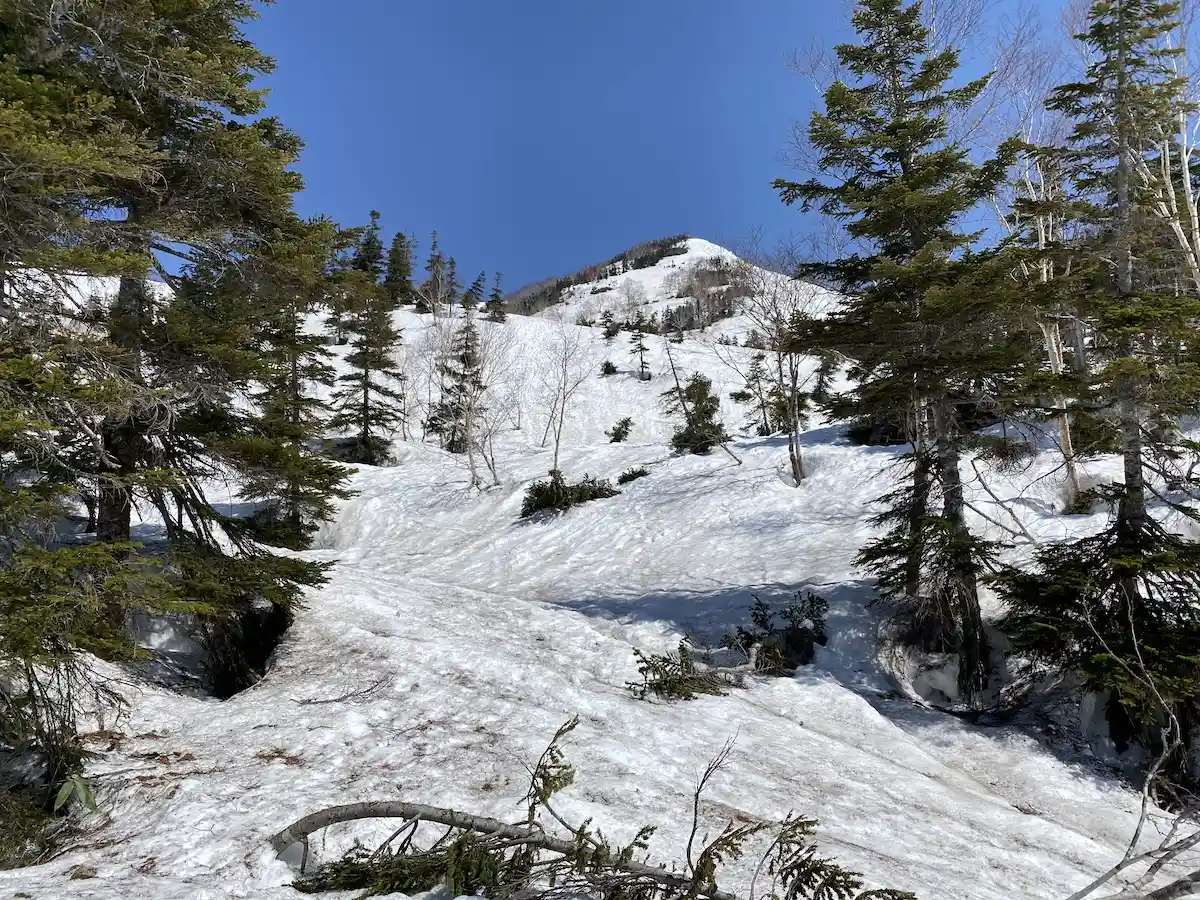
column 537, row 136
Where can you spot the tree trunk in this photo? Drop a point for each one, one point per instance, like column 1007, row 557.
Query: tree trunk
column 962, row 580
column 922, row 479
column 120, row 436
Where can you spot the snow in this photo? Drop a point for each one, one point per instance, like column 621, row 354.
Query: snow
column 477, row 635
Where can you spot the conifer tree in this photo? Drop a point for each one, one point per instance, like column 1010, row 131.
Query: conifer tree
column 890, row 172
column 398, row 278
column 474, row 294
column 695, row 402
column 369, row 398
column 639, row 349
column 450, row 283
column 609, row 322
column 495, row 304
column 760, row 391
column 455, row 418
column 1119, row 606
column 368, row 255
column 293, row 276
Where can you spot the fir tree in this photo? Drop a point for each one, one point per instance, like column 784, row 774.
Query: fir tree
column 639, row 350
column 902, row 187
column 450, row 284
column 369, row 399
column 368, row 255
column 495, row 304
column 609, row 322
column 1119, row 606
column 398, row 278
column 699, row 407
column 474, row 294
column 765, row 398
column 455, row 418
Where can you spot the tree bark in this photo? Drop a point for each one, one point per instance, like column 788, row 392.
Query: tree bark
column 963, row 582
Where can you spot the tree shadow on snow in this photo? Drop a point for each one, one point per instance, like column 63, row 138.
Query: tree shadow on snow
column 849, row 658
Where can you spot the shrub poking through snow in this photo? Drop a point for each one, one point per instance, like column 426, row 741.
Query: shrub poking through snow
column 607, row 368
column 469, row 855
column 620, row 431
column 555, row 494
column 679, row 676
column 632, row 475
column 695, row 401
column 782, row 648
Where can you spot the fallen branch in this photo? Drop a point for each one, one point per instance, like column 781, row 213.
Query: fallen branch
column 529, row 835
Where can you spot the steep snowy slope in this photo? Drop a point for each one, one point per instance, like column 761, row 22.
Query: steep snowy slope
column 452, row 640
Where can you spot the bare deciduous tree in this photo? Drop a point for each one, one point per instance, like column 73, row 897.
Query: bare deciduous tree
column 564, row 370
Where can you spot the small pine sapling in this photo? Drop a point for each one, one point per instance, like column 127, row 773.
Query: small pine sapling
column 607, row 368
column 620, row 431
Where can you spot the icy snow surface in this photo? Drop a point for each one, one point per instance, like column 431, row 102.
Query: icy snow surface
column 482, row 634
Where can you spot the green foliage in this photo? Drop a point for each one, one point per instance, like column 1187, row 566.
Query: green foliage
column 783, row 648
column 1006, row 455
column 454, row 419
column 639, row 349
column 607, row 368
column 397, row 280
column 702, row 429
column 620, row 431
column 1119, row 608
column 495, row 304
column 676, row 676
column 556, row 495
column 632, row 475
column 477, row 857
column 30, row 832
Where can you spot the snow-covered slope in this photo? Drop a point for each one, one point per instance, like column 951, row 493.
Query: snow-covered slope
column 658, row 288
column 452, row 640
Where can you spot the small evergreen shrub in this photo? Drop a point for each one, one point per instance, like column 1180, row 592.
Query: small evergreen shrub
column 555, row 494
column 632, row 475
column 620, row 431
column 676, row 676
column 784, row 647
column 701, row 430
column 30, row 830
column 607, row 368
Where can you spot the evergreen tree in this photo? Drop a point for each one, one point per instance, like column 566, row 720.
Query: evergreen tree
column 430, row 295
column 495, row 304
column 455, row 417
column 699, row 407
column 902, row 188
column 369, row 399
column 639, row 350
column 450, row 283
column 368, row 255
column 770, row 409
column 398, row 278
column 474, row 294
column 609, row 323
column 1120, row 606
column 293, row 276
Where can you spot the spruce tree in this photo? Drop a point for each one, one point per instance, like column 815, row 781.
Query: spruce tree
column 639, row 349
column 495, row 304
column 368, row 402
column 1119, row 606
column 398, row 277
column 902, row 188
column 450, row 283
column 474, row 294
column 455, row 418
column 695, row 402
column 368, row 255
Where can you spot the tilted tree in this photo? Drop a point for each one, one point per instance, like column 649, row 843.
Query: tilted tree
column 890, row 173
